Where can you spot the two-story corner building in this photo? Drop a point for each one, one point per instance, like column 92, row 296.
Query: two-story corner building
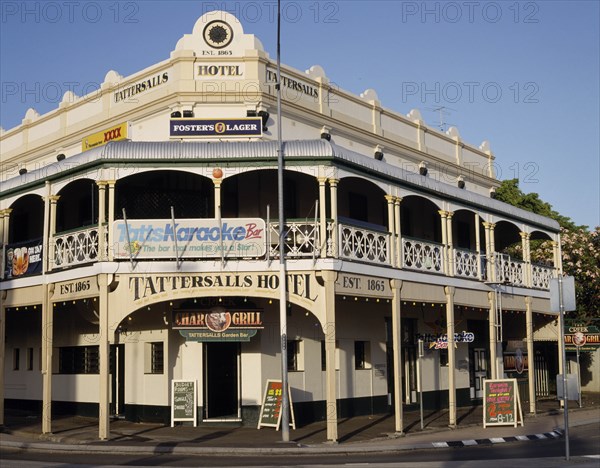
column 140, row 245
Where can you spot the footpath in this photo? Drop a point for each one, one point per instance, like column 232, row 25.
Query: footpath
column 363, row 434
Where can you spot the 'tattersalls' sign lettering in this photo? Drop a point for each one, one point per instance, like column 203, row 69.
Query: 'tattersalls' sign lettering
column 148, row 288
column 127, row 93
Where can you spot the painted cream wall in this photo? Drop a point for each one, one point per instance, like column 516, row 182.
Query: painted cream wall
column 358, row 122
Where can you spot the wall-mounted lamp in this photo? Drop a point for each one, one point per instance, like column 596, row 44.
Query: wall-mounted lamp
column 60, row 157
column 22, row 171
column 461, row 183
column 326, row 136
column 176, row 115
column 264, row 115
column 423, row 168
column 493, row 193
column 378, row 152
column 188, row 113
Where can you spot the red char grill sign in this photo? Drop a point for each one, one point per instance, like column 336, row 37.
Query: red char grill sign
column 218, row 324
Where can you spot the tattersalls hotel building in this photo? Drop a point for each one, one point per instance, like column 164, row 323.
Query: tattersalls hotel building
column 139, row 238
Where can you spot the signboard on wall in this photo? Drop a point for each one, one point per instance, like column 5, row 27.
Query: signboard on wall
column 501, row 403
column 116, row 133
column 190, row 238
column 270, row 410
column 216, row 128
column 218, row 324
column 23, row 259
column 183, row 401
column 584, row 337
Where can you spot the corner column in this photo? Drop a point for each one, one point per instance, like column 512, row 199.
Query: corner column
column 492, row 332
column 47, row 349
column 530, row 355
column 449, row 290
column 104, row 380
column 330, row 339
column 397, row 356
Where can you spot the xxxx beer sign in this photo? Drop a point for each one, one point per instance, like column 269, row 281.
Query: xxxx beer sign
column 119, row 132
column 218, row 324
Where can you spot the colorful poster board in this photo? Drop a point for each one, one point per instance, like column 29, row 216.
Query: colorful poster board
column 501, row 403
column 270, row 411
column 183, row 401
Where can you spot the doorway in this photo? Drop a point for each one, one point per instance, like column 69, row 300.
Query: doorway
column 221, row 381
column 478, row 371
column 117, row 380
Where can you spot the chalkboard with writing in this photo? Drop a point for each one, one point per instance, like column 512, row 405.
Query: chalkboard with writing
column 501, row 403
column 183, row 401
column 270, row 411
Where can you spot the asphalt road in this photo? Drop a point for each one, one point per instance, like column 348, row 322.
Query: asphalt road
column 584, row 452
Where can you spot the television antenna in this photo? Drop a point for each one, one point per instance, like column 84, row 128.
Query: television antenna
column 443, row 112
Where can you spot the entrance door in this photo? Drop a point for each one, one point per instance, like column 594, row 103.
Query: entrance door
column 117, row 379
column 221, row 383
column 478, row 369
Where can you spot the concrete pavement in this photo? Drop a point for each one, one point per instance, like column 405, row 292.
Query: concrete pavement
column 364, row 434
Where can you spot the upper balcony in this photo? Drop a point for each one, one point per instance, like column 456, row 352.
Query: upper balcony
column 414, row 224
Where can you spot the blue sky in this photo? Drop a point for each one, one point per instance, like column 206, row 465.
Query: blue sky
column 523, row 75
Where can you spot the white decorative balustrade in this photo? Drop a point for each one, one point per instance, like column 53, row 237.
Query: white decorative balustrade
column 540, row 276
column 466, row 263
column 423, row 256
column 509, row 270
column 367, row 245
column 76, row 248
column 302, row 239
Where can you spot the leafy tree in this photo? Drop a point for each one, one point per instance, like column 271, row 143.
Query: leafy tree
column 580, row 248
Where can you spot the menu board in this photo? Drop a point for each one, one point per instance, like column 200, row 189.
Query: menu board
column 501, row 403
column 270, row 411
column 183, row 401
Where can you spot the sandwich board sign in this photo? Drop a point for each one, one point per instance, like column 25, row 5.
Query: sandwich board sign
column 270, row 410
column 501, row 403
column 183, row 401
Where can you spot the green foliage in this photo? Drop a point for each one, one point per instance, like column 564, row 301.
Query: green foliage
column 509, row 192
column 580, row 248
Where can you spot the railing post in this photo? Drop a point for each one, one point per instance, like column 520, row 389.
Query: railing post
column 489, row 251
column 478, row 246
column 451, row 252
column 101, row 220
column 334, row 216
column 111, row 218
column 52, row 231
column 525, row 245
column 398, row 240
column 443, row 214
column 322, row 217
column 391, row 228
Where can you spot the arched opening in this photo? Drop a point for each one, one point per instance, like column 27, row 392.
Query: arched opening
column 249, row 194
column 362, row 202
column 26, row 219
column 77, row 206
column 420, row 219
column 150, row 195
